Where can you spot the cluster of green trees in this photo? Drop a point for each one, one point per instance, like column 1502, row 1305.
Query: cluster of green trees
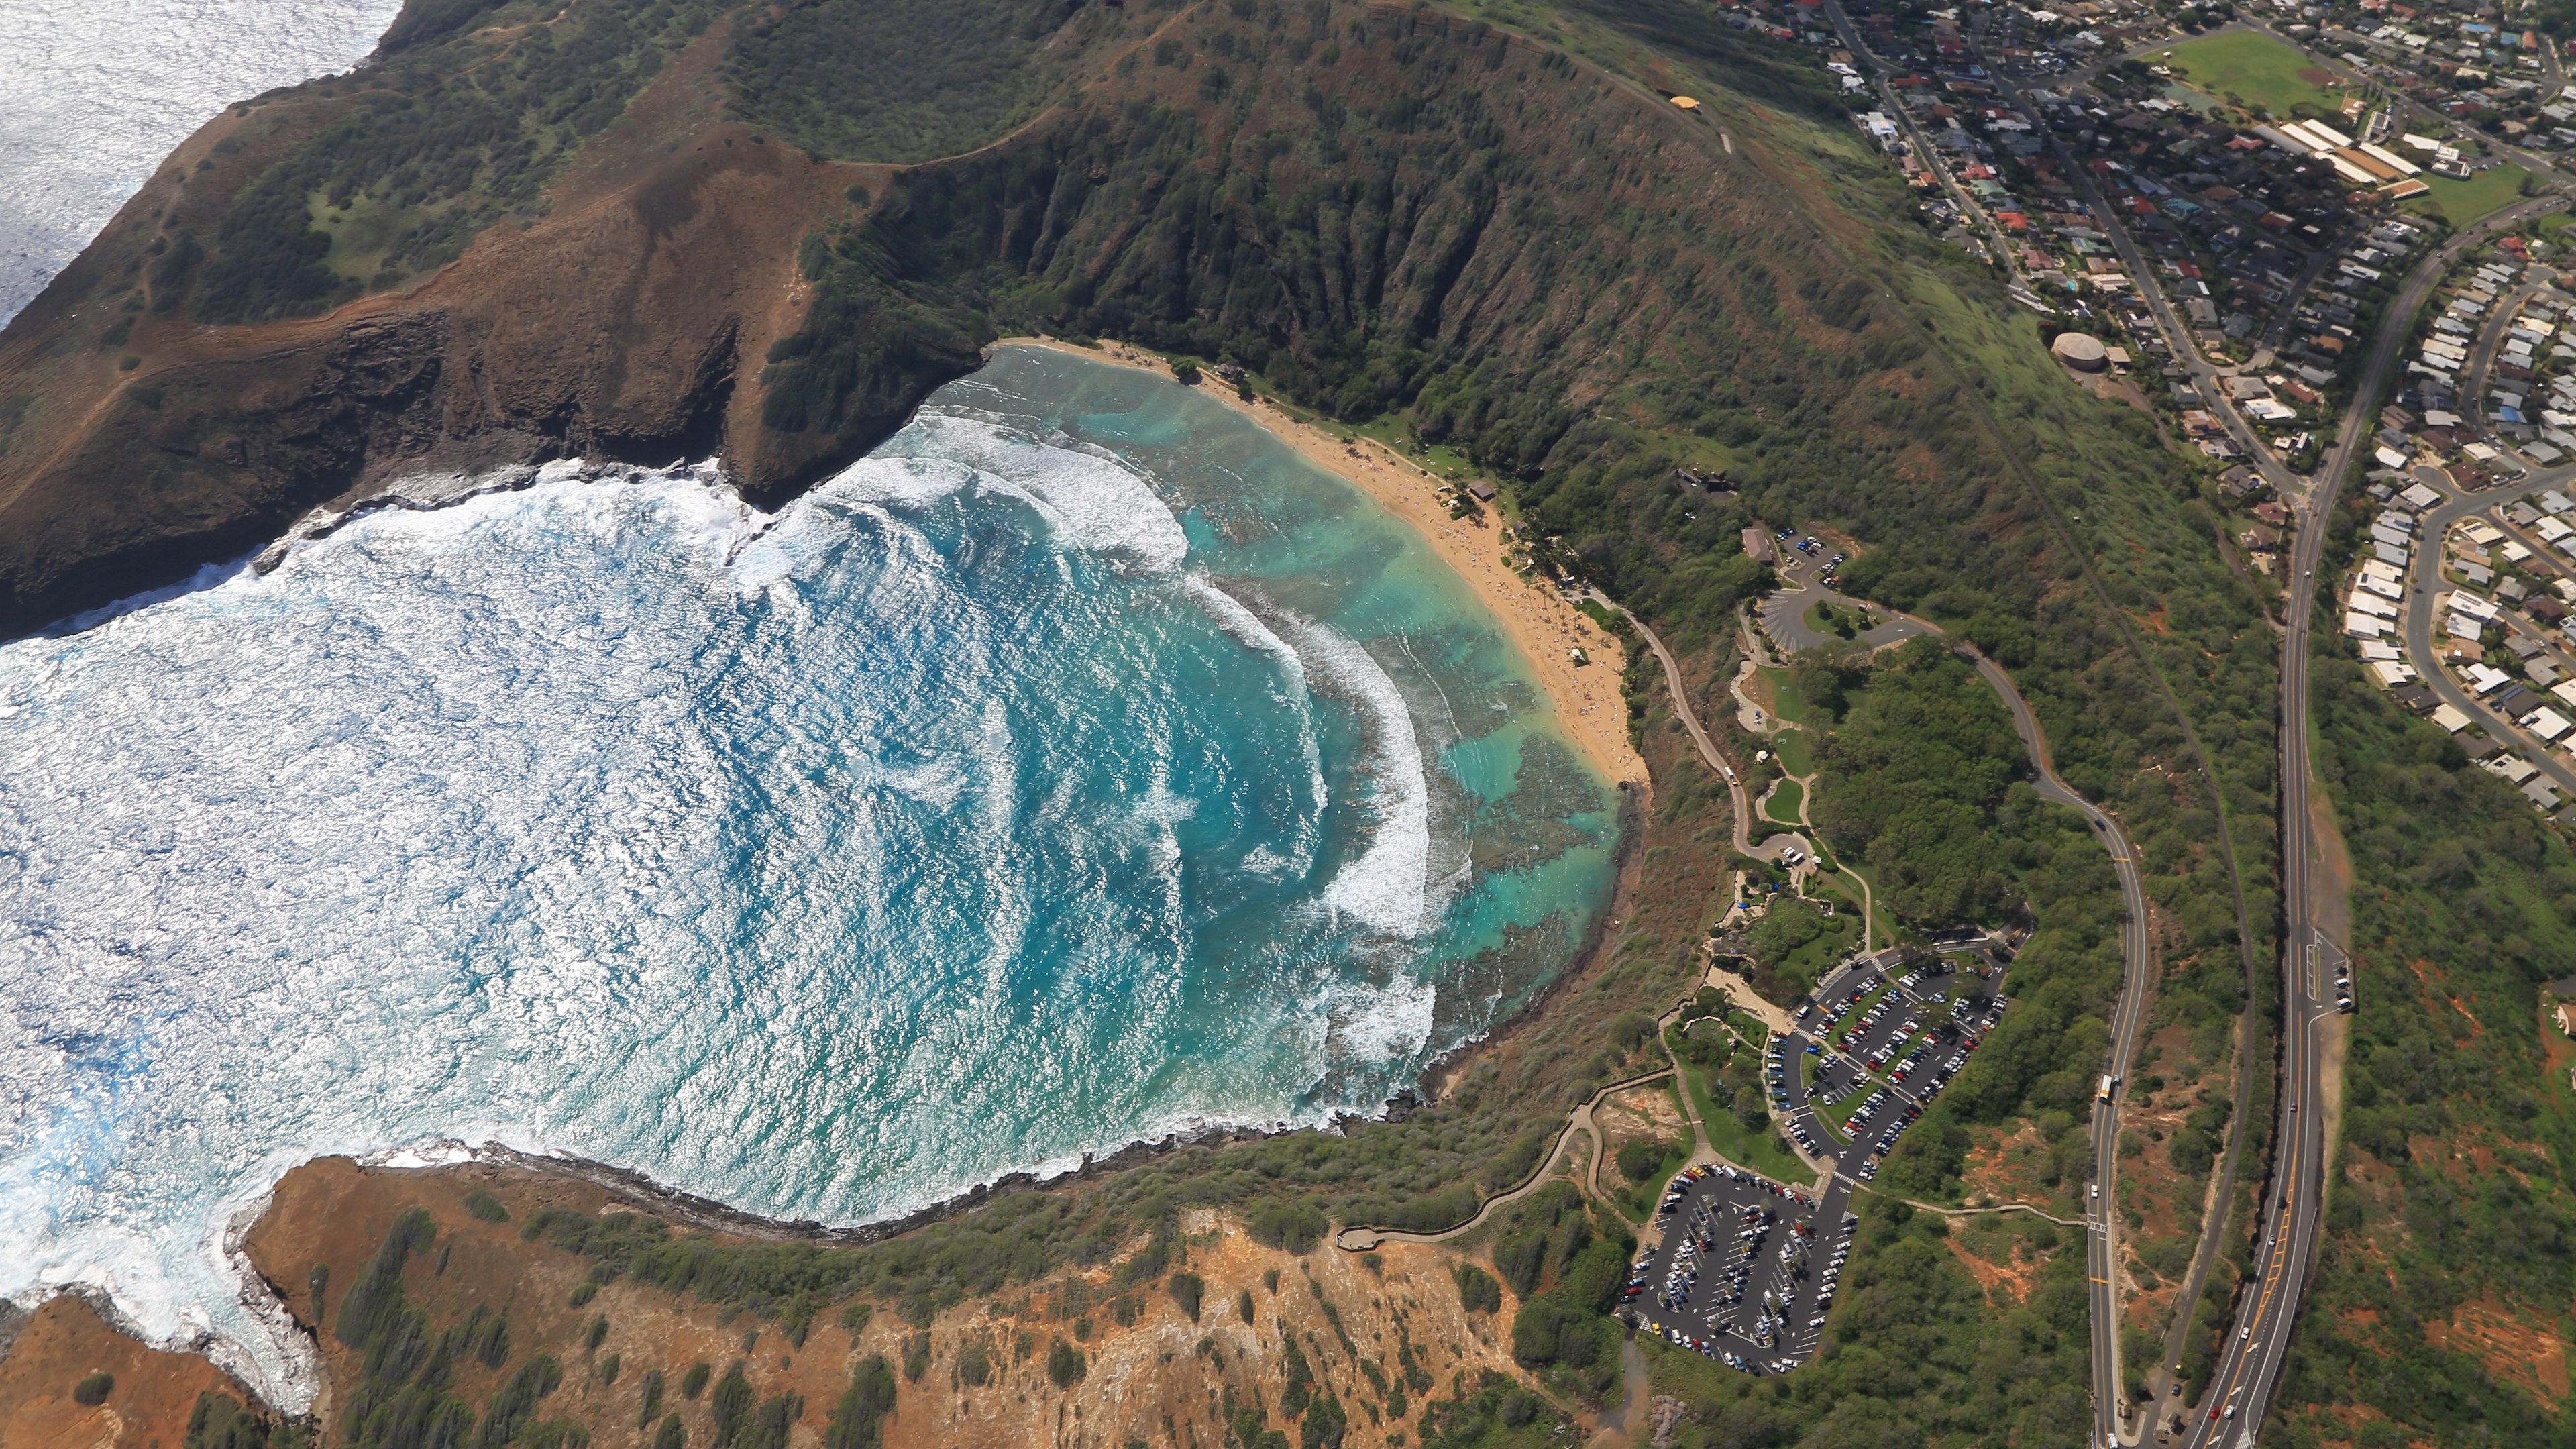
column 1915, row 1354
column 408, row 1395
column 1496, row 1414
column 1567, row 1267
column 1795, row 942
column 1914, row 772
column 220, row 1421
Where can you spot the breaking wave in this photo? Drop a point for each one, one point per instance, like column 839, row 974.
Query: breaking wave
column 977, row 811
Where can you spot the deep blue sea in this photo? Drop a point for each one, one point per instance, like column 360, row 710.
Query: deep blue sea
column 1080, row 767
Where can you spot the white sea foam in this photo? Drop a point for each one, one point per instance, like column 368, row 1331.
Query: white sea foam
column 901, row 483
column 1375, row 1023
column 1233, row 617
column 826, row 863
column 1238, row 619
column 1385, row 886
column 1097, row 501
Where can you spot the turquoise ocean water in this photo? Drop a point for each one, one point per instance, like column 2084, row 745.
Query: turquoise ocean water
column 1079, row 768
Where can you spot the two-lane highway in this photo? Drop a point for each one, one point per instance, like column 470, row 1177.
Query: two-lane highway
column 2293, row 1203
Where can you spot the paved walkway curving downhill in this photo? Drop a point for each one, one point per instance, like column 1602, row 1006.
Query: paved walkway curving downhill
column 2001, row 1207
column 1361, row 1240
column 1769, row 849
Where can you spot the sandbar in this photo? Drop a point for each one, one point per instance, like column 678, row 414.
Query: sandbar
column 1539, row 619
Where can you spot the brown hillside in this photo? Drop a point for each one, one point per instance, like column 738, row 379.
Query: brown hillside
column 1373, row 206
column 1148, row 1368
column 617, row 326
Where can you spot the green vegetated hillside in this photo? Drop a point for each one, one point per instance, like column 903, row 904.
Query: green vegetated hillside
column 1431, row 217
column 1402, row 211
column 2439, row 1309
column 472, row 110
column 911, row 80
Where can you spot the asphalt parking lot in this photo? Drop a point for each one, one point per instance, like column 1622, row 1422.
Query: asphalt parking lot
column 1869, row 1054
column 1746, row 1269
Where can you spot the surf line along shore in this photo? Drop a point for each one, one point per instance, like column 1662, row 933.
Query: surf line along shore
column 1540, row 621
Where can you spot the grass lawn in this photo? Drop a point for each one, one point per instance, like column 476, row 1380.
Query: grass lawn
column 1845, row 622
column 1763, row 1151
column 1845, row 898
column 1797, row 751
column 2462, row 202
column 2255, row 70
column 1782, row 805
column 1780, row 689
column 1806, row 964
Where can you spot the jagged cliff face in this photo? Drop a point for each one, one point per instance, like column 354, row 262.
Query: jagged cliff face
column 483, row 1295
column 703, row 249
column 614, row 320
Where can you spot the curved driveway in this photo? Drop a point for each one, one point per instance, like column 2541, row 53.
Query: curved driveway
column 2425, row 578
column 2137, row 956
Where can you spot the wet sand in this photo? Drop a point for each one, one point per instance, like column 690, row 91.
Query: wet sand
column 1542, row 623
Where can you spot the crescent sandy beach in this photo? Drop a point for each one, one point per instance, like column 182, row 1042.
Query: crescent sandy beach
column 1542, row 623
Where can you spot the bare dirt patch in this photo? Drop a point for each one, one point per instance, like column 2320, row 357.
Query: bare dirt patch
column 2005, row 1166
column 2005, row 1279
column 2476, row 1027
column 1640, row 1114
column 2334, row 1044
column 2374, row 1180
column 2513, row 1350
column 67, row 1341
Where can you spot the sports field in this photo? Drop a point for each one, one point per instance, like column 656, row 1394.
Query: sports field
column 2253, row 69
column 2462, row 202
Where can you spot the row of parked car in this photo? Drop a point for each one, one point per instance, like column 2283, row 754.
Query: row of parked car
column 1813, row 549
